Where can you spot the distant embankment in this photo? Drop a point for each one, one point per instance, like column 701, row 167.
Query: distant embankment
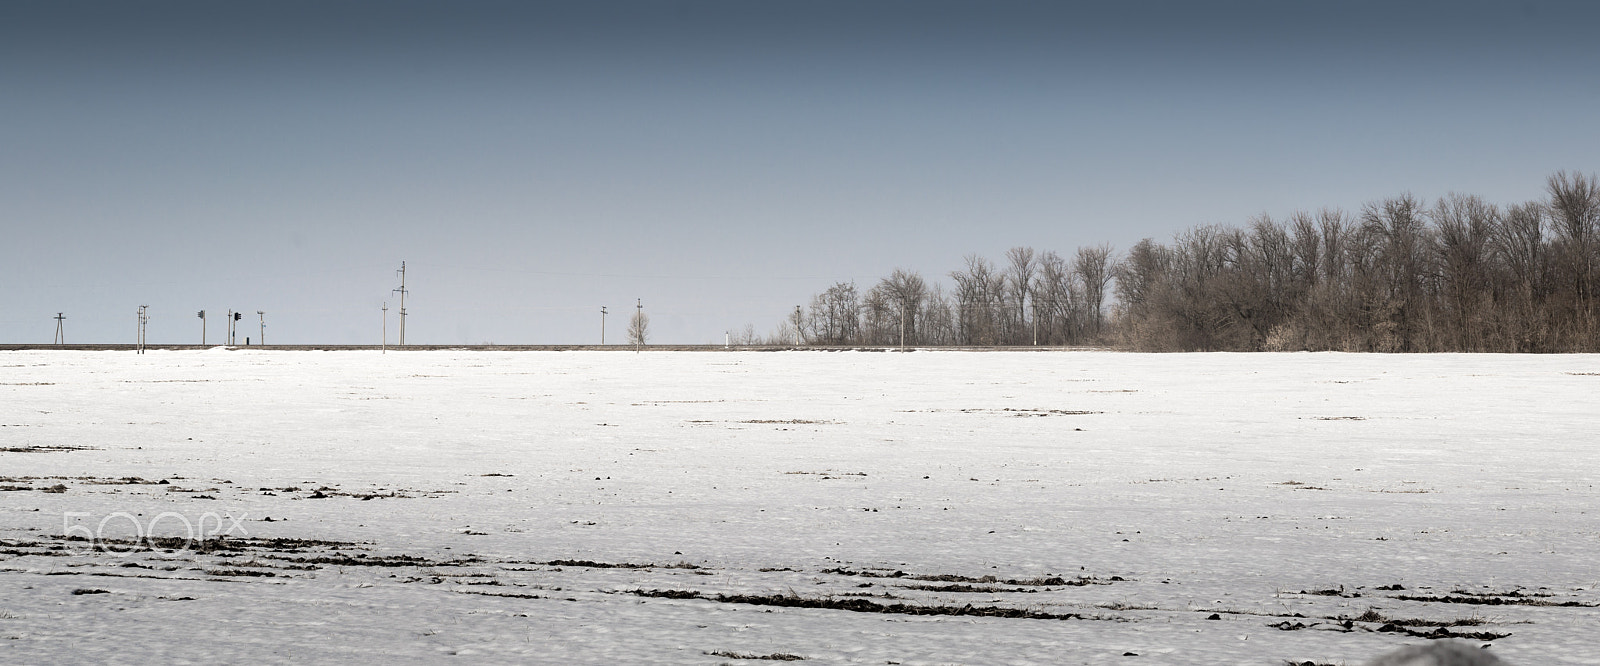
column 616, row 348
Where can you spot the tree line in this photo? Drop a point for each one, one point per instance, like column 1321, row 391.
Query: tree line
column 1031, row 298
column 1401, row 275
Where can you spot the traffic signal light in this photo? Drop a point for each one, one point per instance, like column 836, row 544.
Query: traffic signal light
column 237, row 316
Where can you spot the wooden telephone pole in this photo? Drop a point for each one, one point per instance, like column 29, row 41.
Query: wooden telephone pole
column 144, row 319
column 402, row 292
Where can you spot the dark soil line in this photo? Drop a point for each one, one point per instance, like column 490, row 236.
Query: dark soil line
column 1373, row 616
column 1043, row 581
column 1441, row 632
column 858, row 605
column 763, row 657
column 108, row 574
column 376, row 561
column 620, row 565
column 508, row 595
column 31, row 553
column 1496, row 601
column 1348, row 626
column 1218, row 611
column 965, row 589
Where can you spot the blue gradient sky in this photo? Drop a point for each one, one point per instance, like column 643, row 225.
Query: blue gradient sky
column 721, row 160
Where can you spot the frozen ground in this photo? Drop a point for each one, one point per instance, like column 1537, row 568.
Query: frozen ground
column 429, row 506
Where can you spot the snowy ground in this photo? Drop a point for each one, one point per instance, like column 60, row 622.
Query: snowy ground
column 429, row 504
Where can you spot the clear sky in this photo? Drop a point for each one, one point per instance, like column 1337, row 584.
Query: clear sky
column 722, row 161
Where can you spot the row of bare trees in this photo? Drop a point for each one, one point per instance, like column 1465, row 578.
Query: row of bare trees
column 1032, row 298
column 1402, row 276
column 1461, row 274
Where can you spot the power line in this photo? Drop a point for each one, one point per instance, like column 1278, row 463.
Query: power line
column 746, row 277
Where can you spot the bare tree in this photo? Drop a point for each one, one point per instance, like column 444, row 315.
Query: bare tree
column 1400, row 225
column 638, row 328
column 835, row 315
column 980, row 294
column 1575, row 209
column 747, row 336
column 1519, row 249
column 1019, row 275
column 1092, row 268
column 1055, row 301
column 1464, row 225
column 876, row 320
column 898, row 303
column 937, row 323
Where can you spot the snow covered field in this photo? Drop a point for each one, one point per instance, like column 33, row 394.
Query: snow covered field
column 849, row 507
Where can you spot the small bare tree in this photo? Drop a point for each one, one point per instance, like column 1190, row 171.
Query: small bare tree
column 639, row 328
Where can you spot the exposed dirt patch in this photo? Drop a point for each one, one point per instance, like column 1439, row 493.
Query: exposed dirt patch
column 1372, row 615
column 1330, row 593
column 766, row 657
column 830, row 475
column 1442, row 632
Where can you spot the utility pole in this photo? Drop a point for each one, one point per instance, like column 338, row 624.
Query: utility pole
column 202, row 316
column 638, row 343
column 602, row 326
column 402, row 292
column 385, row 348
column 263, row 333
column 799, row 335
column 144, row 318
column 61, row 334
column 902, row 327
